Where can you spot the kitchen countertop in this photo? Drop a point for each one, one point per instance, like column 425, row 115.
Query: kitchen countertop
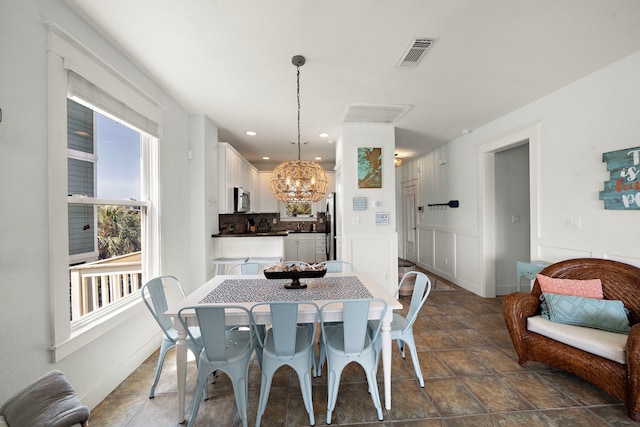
column 266, row 233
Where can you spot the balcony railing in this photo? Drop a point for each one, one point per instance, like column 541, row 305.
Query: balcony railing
column 97, row 284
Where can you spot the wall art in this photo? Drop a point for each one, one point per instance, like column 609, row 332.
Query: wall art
column 622, row 191
column 369, row 167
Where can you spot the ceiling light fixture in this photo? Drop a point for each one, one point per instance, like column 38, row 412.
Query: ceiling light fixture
column 397, row 161
column 251, row 133
column 299, row 180
column 323, row 135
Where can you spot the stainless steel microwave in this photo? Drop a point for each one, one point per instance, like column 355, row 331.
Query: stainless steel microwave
column 241, row 200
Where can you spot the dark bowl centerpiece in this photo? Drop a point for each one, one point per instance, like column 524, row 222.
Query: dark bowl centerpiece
column 295, row 273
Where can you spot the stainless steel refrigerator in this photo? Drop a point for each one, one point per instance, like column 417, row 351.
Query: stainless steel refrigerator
column 330, row 218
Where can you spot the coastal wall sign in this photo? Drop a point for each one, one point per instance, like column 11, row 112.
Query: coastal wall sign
column 622, row 191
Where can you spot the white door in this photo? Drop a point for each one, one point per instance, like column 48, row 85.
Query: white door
column 409, row 208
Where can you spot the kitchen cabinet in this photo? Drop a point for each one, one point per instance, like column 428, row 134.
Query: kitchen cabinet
column 321, row 247
column 234, row 171
column 268, row 202
column 301, row 247
column 307, row 247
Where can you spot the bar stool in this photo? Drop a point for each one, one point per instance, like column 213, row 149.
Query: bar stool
column 267, row 260
column 224, row 261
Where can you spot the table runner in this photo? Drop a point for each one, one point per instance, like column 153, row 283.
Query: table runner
column 234, row 291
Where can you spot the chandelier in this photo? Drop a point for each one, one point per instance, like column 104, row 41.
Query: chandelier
column 299, row 181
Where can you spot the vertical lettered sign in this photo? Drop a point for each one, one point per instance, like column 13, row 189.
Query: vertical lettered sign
column 622, row 191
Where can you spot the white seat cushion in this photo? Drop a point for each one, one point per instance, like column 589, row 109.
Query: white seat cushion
column 609, row 345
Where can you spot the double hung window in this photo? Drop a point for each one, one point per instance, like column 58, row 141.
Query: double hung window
column 103, row 207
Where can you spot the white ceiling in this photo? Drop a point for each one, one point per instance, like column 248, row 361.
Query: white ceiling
column 231, row 60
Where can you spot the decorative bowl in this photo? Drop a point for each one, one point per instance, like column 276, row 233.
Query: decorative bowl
column 295, row 276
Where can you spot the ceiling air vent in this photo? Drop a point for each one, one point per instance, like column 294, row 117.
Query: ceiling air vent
column 373, row 113
column 415, row 51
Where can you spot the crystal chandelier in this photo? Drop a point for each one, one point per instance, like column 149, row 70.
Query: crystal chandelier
column 299, row 180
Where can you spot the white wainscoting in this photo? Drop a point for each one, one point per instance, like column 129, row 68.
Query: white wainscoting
column 452, row 254
column 375, row 254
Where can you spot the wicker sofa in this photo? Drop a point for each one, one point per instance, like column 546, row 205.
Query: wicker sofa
column 619, row 282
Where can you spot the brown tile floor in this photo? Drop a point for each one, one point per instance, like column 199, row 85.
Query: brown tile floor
column 469, row 366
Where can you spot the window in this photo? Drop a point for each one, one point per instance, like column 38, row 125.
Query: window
column 88, row 101
column 107, row 208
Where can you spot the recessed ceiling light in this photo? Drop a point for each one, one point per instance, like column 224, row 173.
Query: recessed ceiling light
column 251, row 133
column 318, row 158
column 330, row 141
column 266, row 157
column 323, row 135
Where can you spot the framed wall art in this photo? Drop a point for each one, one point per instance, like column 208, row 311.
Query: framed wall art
column 370, row 167
column 622, row 191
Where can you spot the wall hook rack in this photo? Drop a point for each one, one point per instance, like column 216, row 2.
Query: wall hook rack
column 451, row 204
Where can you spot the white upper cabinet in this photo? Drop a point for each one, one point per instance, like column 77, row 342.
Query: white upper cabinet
column 268, row 202
column 234, row 171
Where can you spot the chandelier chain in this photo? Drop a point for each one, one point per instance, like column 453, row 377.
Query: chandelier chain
column 298, row 97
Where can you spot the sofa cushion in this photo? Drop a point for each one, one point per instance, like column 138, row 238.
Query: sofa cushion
column 49, row 401
column 609, row 345
column 608, row 315
column 591, row 288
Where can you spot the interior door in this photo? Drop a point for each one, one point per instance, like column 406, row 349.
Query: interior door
column 409, row 208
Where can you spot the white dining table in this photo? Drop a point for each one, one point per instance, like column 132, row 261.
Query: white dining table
column 247, row 290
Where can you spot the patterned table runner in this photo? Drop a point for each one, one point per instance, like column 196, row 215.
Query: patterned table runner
column 234, row 291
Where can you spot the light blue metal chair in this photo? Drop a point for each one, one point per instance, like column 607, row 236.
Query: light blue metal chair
column 245, row 268
column 286, row 343
column 402, row 327
column 339, row 266
column 154, row 290
column 226, row 348
column 351, row 341
column 294, row 263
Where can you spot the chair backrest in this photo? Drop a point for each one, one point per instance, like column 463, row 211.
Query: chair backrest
column 158, row 305
column 284, row 321
column 421, row 291
column 337, row 266
column 355, row 322
column 293, row 263
column 245, row 268
column 213, row 328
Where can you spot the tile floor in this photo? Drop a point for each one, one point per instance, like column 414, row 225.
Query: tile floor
column 469, row 366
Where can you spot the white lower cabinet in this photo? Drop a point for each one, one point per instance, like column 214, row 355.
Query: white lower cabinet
column 301, row 247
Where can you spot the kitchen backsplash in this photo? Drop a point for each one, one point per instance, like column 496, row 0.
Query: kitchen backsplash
column 261, row 222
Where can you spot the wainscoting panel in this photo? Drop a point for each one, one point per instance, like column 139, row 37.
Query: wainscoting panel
column 467, row 261
column 444, row 257
column 425, row 247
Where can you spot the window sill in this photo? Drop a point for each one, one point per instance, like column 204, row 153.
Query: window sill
column 86, row 331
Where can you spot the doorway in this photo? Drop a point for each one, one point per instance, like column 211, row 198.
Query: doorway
column 511, row 214
column 503, row 220
column 409, row 207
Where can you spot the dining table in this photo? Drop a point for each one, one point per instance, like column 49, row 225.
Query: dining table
column 247, row 290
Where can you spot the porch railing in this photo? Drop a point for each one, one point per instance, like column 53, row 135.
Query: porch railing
column 97, row 284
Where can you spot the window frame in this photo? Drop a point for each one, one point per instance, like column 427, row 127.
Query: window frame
column 65, row 54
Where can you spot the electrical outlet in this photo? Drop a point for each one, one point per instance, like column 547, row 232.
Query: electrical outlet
column 573, row 222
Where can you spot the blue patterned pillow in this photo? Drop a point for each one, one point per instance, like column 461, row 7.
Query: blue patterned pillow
column 608, row 315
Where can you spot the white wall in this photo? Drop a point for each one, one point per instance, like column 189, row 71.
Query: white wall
column 576, row 124
column 371, row 248
column 24, row 221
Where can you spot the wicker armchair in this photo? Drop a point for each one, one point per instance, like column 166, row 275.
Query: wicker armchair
column 619, row 282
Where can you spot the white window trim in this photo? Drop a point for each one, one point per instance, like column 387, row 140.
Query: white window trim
column 65, row 53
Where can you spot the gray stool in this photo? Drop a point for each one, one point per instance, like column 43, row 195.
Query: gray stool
column 224, row 261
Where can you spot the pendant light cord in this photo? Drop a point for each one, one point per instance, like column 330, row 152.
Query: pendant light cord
column 298, row 96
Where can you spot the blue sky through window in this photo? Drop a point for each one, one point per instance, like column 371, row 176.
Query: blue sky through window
column 118, row 160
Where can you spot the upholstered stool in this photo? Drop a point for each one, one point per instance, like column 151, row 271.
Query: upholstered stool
column 224, row 262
